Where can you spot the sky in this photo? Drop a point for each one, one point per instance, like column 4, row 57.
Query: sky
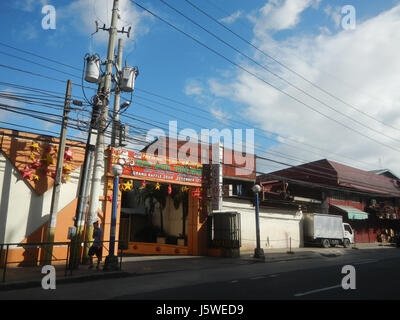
column 330, row 89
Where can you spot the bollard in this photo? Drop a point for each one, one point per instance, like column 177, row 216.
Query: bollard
column 290, row 246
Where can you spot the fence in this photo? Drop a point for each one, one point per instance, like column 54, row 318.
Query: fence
column 33, row 254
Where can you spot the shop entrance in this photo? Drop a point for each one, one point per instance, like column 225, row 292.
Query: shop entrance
column 154, row 218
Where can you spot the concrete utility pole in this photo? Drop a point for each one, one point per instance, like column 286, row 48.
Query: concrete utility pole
column 57, row 180
column 115, row 123
column 83, row 196
column 98, row 172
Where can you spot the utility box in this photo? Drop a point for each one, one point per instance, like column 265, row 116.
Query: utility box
column 92, row 72
column 127, row 79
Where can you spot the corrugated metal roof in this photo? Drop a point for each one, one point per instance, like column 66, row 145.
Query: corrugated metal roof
column 335, row 174
column 364, row 180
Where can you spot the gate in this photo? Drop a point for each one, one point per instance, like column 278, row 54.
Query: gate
column 224, row 230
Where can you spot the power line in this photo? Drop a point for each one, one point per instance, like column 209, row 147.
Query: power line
column 39, row 56
column 277, row 75
column 40, row 75
column 263, row 80
column 288, row 68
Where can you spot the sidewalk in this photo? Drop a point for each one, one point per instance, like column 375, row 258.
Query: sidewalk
column 24, row 277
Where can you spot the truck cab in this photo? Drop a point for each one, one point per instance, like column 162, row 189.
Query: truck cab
column 348, row 233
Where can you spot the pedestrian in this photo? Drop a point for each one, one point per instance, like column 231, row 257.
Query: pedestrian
column 96, row 247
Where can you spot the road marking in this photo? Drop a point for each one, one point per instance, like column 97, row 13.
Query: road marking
column 274, row 275
column 256, row 278
column 317, row 290
column 234, row 281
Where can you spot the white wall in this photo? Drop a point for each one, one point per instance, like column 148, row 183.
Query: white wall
column 276, row 226
column 22, row 211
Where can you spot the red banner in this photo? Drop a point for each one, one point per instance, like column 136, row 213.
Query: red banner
column 146, row 167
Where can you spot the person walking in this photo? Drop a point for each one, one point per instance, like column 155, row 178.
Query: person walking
column 96, row 247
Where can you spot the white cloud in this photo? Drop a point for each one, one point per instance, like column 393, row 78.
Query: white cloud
column 29, row 5
column 334, row 14
column 232, row 18
column 280, row 15
column 25, row 5
column 220, row 115
column 194, row 88
column 82, row 14
column 360, row 66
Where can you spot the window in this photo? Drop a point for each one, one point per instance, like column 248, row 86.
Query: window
column 239, row 190
column 348, row 229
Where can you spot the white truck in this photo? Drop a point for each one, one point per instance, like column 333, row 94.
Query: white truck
column 327, row 230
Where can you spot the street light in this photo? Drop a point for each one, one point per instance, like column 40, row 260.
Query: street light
column 111, row 262
column 258, row 251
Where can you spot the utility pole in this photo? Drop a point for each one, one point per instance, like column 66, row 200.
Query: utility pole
column 115, row 123
column 57, row 180
column 84, row 191
column 98, row 172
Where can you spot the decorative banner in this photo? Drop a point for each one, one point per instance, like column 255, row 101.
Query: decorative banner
column 145, row 167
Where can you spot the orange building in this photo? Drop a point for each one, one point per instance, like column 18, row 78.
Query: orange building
column 27, row 169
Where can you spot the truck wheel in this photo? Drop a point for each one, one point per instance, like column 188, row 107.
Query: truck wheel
column 325, row 243
column 346, row 243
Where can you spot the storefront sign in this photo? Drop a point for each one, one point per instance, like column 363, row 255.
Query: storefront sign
column 216, row 179
column 146, row 167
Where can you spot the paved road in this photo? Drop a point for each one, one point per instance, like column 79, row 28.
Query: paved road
column 377, row 277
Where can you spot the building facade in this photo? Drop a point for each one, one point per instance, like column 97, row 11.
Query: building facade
column 368, row 201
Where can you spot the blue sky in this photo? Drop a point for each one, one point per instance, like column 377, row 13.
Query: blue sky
column 305, row 35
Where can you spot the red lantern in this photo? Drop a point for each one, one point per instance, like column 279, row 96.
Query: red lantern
column 169, row 189
column 196, row 193
column 144, row 184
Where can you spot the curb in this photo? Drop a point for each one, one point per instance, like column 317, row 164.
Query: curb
column 16, row 285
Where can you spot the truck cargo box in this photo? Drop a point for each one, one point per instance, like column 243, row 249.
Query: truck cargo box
column 323, row 226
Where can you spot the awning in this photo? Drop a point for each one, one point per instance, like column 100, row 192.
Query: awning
column 352, row 213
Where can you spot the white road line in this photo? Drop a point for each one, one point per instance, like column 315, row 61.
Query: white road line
column 256, row 278
column 317, row 290
column 234, row 281
column 274, row 275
